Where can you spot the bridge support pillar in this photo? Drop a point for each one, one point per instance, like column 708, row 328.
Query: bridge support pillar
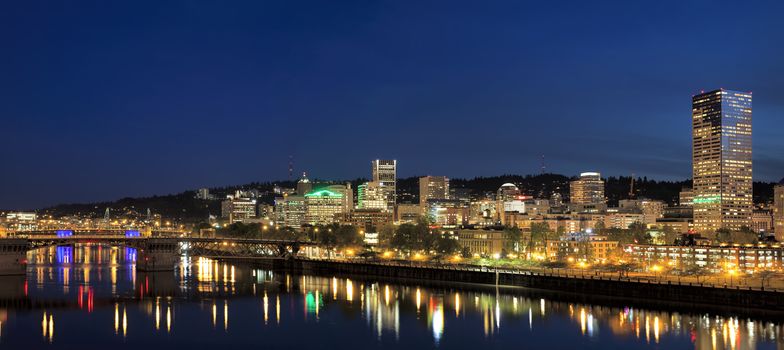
column 13, row 257
column 158, row 255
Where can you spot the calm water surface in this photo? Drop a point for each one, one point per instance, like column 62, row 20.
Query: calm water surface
column 88, row 297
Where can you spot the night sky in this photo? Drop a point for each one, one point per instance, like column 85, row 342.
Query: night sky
column 106, row 99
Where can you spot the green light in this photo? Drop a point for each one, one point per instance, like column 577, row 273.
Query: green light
column 703, row 200
column 324, row 193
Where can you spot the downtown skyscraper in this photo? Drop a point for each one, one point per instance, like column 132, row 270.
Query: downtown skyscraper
column 385, row 176
column 721, row 160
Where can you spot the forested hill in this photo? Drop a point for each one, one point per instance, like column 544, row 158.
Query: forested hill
column 185, row 206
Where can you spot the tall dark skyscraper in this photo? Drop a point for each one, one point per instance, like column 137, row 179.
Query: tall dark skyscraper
column 721, row 160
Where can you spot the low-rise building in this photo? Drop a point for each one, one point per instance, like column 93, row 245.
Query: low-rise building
column 485, row 242
column 724, row 258
column 21, row 221
column 407, row 213
column 587, row 247
column 762, row 221
column 368, row 220
column 622, row 220
column 447, row 212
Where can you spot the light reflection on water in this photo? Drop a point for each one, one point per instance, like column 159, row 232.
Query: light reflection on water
column 93, row 292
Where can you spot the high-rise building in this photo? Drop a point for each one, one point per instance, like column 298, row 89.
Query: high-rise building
column 721, row 160
column 304, row 186
column 238, row 208
column 686, row 197
column 371, row 195
column 778, row 210
column 290, row 210
column 323, row 205
column 432, row 187
column 587, row 193
column 385, row 174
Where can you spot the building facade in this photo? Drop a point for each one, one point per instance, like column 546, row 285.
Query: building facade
column 323, row 207
column 371, row 195
column 590, row 248
column 489, row 243
column 721, row 160
column 778, row 210
column 716, row 259
column 432, row 187
column 238, row 209
column 407, row 213
column 290, row 210
column 385, row 175
column 587, row 193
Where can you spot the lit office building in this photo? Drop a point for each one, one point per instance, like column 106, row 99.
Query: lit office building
column 324, row 206
column 371, row 195
column 587, row 193
column 721, row 160
column 407, row 213
column 686, row 197
column 238, row 209
column 385, row 174
column 432, row 187
column 290, row 210
column 778, row 210
column 368, row 220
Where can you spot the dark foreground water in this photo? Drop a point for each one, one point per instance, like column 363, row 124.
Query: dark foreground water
column 90, row 297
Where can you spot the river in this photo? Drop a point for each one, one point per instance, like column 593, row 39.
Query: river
column 91, row 297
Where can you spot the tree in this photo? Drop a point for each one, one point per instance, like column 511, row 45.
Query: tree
column 465, row 252
column 669, row 235
column 599, row 227
column 198, row 227
column 639, row 233
column 765, row 276
column 346, row 236
column 385, row 234
column 585, row 250
column 512, row 236
column 724, row 235
column 744, row 236
column 540, row 232
column 241, row 230
column 446, row 245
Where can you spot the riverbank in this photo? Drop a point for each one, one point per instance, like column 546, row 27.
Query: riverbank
column 658, row 292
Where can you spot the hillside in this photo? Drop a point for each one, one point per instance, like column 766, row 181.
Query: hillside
column 186, row 207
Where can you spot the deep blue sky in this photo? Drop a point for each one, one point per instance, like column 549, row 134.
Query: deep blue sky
column 104, row 99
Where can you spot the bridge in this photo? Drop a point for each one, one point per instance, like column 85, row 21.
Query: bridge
column 147, row 230
column 153, row 253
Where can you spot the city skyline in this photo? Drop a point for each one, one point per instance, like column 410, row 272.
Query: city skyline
column 391, row 174
column 165, row 117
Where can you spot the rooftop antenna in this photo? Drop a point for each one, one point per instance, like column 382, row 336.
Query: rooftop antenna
column 291, row 167
column 631, row 188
